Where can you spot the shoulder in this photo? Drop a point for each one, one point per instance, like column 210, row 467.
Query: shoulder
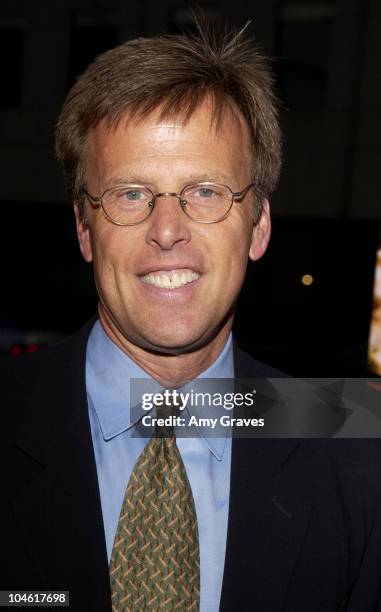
column 349, row 465
column 349, row 469
column 21, row 377
column 356, row 459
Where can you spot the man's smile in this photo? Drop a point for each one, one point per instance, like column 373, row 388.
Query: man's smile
column 171, row 279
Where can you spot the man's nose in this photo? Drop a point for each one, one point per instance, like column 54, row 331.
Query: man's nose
column 168, row 224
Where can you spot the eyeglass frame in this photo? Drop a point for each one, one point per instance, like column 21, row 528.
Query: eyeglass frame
column 97, row 201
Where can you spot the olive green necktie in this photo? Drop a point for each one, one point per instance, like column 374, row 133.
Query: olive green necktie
column 155, row 558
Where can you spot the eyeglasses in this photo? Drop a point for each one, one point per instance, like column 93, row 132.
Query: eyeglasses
column 132, row 204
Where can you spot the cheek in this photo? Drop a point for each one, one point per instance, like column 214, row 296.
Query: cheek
column 236, row 274
column 107, row 261
column 232, row 252
column 108, row 246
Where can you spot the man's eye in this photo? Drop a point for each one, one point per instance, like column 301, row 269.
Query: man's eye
column 205, row 192
column 133, row 195
column 126, row 197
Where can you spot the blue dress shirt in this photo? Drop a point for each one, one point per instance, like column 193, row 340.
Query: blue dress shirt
column 207, row 460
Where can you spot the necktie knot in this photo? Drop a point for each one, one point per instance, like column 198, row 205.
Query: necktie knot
column 167, row 412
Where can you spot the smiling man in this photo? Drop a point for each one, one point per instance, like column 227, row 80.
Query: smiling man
column 171, row 149
column 168, row 283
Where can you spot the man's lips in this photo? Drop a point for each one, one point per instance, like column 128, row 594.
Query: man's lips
column 172, row 278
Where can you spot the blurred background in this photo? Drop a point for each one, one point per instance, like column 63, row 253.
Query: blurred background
column 307, row 305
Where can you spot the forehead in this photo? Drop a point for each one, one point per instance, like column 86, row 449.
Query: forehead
column 146, row 143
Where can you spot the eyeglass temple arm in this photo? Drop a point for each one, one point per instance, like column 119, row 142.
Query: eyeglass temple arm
column 94, row 201
column 241, row 194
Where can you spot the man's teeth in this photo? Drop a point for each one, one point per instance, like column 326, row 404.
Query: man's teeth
column 170, row 281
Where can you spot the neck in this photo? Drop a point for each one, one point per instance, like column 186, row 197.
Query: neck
column 170, row 370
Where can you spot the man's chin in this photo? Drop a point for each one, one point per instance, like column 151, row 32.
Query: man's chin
column 156, row 336
column 175, row 336
column 172, row 344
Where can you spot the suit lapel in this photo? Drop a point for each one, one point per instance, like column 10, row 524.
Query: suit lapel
column 59, row 513
column 267, row 522
column 267, row 517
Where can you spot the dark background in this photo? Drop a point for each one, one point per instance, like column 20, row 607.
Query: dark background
column 326, row 211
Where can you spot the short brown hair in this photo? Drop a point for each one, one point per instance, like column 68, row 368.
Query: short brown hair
column 175, row 73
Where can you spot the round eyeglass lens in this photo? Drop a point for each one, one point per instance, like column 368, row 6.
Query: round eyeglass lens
column 127, row 204
column 207, row 202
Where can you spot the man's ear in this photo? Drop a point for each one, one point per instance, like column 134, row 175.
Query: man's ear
column 83, row 233
column 261, row 233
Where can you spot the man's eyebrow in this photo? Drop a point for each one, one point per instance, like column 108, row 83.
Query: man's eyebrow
column 126, row 179
column 213, row 176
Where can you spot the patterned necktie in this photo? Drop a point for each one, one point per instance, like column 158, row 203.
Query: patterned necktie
column 155, row 559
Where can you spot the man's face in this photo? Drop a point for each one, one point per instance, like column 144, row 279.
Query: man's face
column 166, row 155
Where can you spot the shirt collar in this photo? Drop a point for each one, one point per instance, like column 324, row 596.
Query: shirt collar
column 108, row 374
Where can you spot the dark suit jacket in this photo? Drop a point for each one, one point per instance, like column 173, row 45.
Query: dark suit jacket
column 304, row 531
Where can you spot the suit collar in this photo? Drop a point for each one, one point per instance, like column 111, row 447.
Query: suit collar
column 108, row 376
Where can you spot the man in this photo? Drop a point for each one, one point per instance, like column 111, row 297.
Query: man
column 171, row 148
